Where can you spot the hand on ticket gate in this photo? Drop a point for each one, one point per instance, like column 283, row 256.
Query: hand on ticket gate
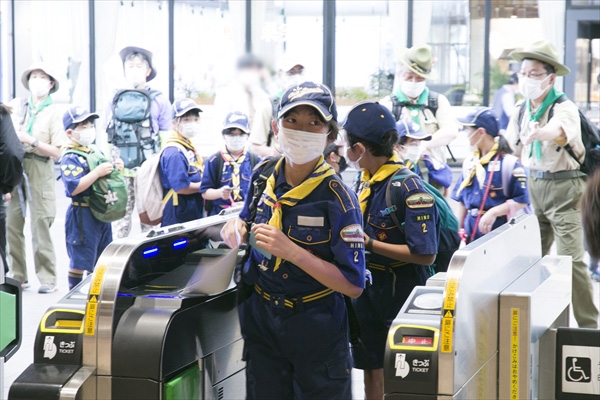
column 463, row 235
column 234, row 232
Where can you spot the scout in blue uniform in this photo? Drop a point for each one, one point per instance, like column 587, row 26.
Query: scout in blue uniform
column 307, row 253
column 181, row 166
column 410, row 148
column 398, row 255
column 507, row 192
column 229, row 186
column 86, row 236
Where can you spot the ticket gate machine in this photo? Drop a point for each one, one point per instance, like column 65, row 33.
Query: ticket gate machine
column 156, row 320
column 487, row 329
column 10, row 320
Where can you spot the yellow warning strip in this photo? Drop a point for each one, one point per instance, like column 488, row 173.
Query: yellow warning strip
column 90, row 316
column 514, row 353
column 99, row 272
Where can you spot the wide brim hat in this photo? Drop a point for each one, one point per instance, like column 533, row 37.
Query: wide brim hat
column 42, row 66
column 544, row 51
column 419, row 59
column 146, row 53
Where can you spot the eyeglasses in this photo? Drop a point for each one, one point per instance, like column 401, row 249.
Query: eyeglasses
column 531, row 75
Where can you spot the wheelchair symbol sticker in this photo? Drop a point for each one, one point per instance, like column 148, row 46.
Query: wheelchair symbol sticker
column 579, row 369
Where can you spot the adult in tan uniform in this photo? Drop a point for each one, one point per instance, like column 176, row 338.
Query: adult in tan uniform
column 555, row 182
column 39, row 127
column 412, row 100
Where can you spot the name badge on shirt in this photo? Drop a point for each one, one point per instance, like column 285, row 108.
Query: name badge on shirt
column 311, row 221
column 494, row 166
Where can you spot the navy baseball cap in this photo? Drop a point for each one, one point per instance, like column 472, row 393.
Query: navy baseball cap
column 411, row 130
column 182, row 106
column 237, row 120
column 369, row 120
column 484, row 118
column 310, row 94
column 76, row 115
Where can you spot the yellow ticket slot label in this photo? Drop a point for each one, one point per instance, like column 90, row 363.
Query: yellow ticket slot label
column 514, row 353
column 450, row 298
column 97, row 282
column 90, row 316
column 447, row 328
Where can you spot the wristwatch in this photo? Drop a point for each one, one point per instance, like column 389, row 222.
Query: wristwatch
column 35, row 143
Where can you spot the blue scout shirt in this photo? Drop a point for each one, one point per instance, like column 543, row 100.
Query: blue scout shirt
column 472, row 196
column 327, row 223
column 419, row 219
column 210, row 176
column 86, row 237
column 178, row 168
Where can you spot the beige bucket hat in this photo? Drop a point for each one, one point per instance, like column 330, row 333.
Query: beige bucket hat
column 419, row 59
column 43, row 67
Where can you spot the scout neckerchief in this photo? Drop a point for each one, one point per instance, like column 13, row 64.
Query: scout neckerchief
column 35, row 111
column 293, row 196
column 389, row 168
column 235, row 174
column 186, row 143
column 413, row 107
column 477, row 169
column 552, row 96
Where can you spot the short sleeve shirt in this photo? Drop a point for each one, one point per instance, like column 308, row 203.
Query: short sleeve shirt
column 47, row 127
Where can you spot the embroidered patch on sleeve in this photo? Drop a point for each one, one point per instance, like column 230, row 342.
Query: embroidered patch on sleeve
column 519, row 172
column 420, row 200
column 352, row 233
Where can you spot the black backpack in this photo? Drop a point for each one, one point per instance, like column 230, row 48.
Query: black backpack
column 589, row 136
column 130, row 128
column 449, row 239
column 208, row 204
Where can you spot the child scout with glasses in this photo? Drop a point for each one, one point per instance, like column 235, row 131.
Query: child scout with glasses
column 307, row 251
column 227, row 174
column 398, row 254
column 493, row 184
column 86, row 236
column 181, row 167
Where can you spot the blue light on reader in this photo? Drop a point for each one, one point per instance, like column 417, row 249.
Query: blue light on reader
column 180, row 244
column 150, row 252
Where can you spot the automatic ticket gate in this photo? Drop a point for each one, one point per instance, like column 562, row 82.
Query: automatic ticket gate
column 487, row 328
column 156, row 320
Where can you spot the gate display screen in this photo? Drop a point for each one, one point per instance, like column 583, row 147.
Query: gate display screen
column 419, row 340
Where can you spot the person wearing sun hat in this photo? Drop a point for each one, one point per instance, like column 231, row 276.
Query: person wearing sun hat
column 399, row 255
column 307, row 251
column 413, row 101
column 38, row 123
column 555, row 182
column 480, row 208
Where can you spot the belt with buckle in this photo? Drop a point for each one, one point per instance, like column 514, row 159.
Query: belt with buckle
column 79, row 204
column 279, row 300
column 473, row 212
column 574, row 173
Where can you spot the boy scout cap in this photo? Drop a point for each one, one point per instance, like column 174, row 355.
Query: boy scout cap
column 310, row 94
column 76, row 115
column 411, row 130
column 369, row 120
column 484, row 118
column 42, row 66
column 182, row 106
column 419, row 59
column 545, row 51
column 146, row 53
column 237, row 120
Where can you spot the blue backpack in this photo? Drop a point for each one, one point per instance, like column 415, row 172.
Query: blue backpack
column 130, row 128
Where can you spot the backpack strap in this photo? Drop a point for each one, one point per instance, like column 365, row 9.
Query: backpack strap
column 391, row 195
column 508, row 165
column 432, row 101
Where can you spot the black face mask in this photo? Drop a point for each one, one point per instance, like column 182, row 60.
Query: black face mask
column 343, row 164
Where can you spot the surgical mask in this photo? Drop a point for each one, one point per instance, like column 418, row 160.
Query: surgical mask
column 189, row 129
column 39, row 87
column 354, row 164
column 413, row 152
column 235, row 143
column 474, row 147
column 531, row 88
column 135, row 76
column 301, row 147
column 412, row 89
column 86, row 136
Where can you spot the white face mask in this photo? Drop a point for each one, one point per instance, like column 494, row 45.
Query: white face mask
column 235, row 143
column 39, row 86
column 301, row 147
column 356, row 163
column 136, row 76
column 86, row 136
column 412, row 89
column 474, row 147
column 189, row 129
column 531, row 88
column 413, row 152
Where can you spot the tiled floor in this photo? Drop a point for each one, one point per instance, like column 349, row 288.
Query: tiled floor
column 34, row 304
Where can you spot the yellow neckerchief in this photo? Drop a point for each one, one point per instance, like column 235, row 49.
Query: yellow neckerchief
column 186, row 143
column 389, row 168
column 235, row 174
column 76, row 146
column 477, row 169
column 293, row 196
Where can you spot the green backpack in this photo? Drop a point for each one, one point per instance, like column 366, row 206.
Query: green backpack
column 108, row 200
